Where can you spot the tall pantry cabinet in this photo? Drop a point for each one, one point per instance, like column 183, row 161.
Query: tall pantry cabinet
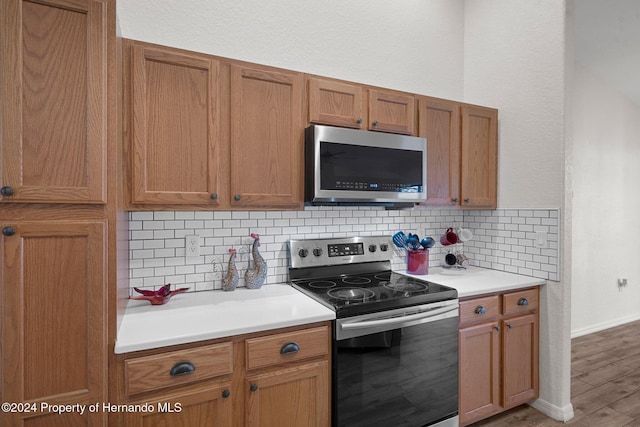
column 56, row 213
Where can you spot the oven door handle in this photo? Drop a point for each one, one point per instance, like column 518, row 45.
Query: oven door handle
column 443, row 309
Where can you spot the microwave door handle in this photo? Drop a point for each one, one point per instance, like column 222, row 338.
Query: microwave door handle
column 400, row 319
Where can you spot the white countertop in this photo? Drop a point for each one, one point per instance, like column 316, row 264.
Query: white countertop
column 477, row 281
column 197, row 316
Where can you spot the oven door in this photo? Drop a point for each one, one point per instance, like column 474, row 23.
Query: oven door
column 397, row 368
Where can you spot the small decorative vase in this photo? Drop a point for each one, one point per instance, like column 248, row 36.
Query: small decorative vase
column 230, row 280
column 254, row 277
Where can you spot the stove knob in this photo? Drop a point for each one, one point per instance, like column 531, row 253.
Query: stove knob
column 384, row 247
column 303, row 252
column 372, row 248
column 317, row 251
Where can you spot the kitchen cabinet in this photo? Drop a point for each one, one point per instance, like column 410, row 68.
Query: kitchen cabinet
column 462, row 145
column 336, row 103
column 58, row 214
column 278, row 377
column 278, row 394
column 206, row 401
column 175, row 148
column 391, row 111
column 351, row 105
column 54, row 346
column 53, row 61
column 266, row 137
column 498, row 353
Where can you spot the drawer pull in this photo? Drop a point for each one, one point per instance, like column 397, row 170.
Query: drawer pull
column 480, row 310
column 523, row 301
column 290, row 347
column 182, row 368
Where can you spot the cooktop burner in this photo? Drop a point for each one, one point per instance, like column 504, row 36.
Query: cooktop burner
column 353, row 276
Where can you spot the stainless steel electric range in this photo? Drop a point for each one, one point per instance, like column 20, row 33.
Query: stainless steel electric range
column 395, row 337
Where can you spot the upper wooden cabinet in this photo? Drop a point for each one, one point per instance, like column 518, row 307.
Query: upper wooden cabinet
column 439, row 123
column 54, row 100
column 335, row 103
column 479, row 160
column 175, row 145
column 392, row 112
column 53, row 318
column 344, row 104
column 462, row 156
column 266, row 137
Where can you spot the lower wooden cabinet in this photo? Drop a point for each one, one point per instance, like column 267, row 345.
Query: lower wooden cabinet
column 498, row 353
column 275, row 378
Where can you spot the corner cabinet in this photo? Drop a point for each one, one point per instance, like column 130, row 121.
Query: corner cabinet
column 269, row 378
column 266, row 137
column 53, row 61
column 499, row 353
column 174, row 109
column 462, row 143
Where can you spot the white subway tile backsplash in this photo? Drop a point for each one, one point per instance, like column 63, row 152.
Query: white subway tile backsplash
column 504, row 239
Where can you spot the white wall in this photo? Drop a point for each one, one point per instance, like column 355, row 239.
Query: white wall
column 606, row 142
column 515, row 60
column 411, row 45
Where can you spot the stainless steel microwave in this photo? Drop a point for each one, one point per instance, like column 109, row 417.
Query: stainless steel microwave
column 355, row 167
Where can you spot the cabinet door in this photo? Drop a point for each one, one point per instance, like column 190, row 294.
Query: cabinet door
column 266, row 138
column 392, row 112
column 520, row 360
column 195, row 407
column 175, row 145
column 479, row 165
column 53, row 319
column 293, row 397
column 53, row 109
column 479, row 388
column 439, row 123
column 334, row 103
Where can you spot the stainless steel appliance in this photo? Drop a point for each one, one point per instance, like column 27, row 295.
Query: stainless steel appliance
column 347, row 166
column 395, row 338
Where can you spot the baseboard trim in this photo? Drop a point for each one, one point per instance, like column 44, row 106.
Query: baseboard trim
column 558, row 413
column 602, row 326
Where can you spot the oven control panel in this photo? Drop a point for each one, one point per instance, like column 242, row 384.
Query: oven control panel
column 336, row 251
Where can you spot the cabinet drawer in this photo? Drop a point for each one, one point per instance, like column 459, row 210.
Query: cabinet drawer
column 479, row 309
column 516, row 302
column 155, row 372
column 287, row 347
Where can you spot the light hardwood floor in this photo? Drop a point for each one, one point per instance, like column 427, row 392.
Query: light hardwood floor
column 605, row 383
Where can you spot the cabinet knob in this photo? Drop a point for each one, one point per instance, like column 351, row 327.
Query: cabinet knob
column 6, row 191
column 290, row 347
column 359, row 121
column 480, row 310
column 454, row 200
column 375, row 123
column 214, row 196
column 497, row 328
column 509, row 325
column 466, row 200
column 523, row 301
column 182, row 368
column 253, row 387
column 8, row 231
column 226, row 393
column 237, row 197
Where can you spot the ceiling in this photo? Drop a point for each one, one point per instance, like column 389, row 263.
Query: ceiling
column 607, row 41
